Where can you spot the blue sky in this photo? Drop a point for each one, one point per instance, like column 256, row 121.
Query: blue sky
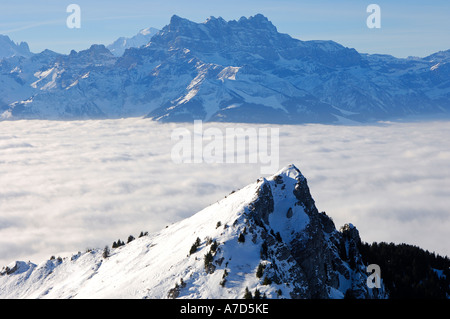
column 416, row 28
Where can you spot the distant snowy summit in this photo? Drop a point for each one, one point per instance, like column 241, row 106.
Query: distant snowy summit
column 267, row 239
column 10, row 49
column 229, row 71
column 119, row 46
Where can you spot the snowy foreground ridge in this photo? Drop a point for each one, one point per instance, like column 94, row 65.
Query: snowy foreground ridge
column 268, row 236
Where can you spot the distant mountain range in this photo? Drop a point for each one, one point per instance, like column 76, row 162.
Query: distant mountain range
column 230, row 71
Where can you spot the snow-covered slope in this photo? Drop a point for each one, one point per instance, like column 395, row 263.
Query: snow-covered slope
column 267, row 236
column 233, row 71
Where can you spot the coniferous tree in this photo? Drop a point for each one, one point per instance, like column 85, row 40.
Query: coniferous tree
column 247, row 294
column 408, row 271
column 105, row 252
column 224, row 278
column 214, row 246
column 260, row 270
column 194, row 246
column 267, row 281
column 118, row 244
column 208, row 259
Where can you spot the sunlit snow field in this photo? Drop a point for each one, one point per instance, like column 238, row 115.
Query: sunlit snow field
column 69, row 186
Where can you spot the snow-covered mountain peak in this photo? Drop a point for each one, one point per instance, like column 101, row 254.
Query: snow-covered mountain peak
column 8, row 48
column 143, row 37
column 94, row 53
column 97, row 54
column 177, row 21
column 216, row 33
column 147, row 31
column 213, row 19
column 258, row 21
column 289, row 171
column 267, row 237
column 97, row 49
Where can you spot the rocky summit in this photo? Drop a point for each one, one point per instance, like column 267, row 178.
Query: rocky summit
column 267, row 239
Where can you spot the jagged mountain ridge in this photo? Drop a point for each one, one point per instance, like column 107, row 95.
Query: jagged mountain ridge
column 268, row 236
column 235, row 71
column 9, row 49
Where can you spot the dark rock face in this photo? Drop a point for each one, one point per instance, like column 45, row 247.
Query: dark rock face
column 319, row 256
column 263, row 206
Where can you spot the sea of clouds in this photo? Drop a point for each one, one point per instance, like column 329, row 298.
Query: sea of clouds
column 69, row 186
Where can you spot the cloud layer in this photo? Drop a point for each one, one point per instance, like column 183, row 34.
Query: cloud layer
column 68, row 186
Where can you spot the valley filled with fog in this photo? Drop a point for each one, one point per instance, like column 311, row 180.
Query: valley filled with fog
column 71, row 185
